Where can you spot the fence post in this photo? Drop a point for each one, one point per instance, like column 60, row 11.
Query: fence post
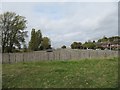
column 70, row 55
column 53, row 56
column 105, row 55
column 59, row 55
column 89, row 54
column 48, row 55
column 15, row 58
column 23, row 57
column 9, row 57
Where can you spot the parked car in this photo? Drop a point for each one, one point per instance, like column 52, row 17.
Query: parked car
column 49, row 50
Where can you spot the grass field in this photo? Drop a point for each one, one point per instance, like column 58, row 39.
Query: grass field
column 94, row 73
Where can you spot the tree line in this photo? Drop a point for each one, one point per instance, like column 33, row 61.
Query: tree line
column 38, row 42
column 112, row 43
column 13, row 34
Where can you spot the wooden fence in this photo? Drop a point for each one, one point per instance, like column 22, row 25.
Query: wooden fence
column 62, row 54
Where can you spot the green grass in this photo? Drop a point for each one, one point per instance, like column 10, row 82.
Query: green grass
column 93, row 73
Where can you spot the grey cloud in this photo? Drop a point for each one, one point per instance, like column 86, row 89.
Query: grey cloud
column 108, row 26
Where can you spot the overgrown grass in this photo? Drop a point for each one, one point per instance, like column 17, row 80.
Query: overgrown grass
column 94, row 73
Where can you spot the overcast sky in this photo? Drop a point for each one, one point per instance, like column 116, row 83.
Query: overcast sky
column 66, row 22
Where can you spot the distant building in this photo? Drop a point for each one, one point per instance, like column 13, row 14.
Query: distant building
column 109, row 45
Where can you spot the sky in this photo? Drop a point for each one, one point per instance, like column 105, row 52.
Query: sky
column 66, row 22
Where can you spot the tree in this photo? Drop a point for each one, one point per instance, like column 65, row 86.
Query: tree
column 114, row 39
column 46, row 44
column 63, row 47
column 104, row 39
column 36, row 39
column 76, row 45
column 32, row 42
column 12, row 27
column 89, row 45
column 94, row 41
